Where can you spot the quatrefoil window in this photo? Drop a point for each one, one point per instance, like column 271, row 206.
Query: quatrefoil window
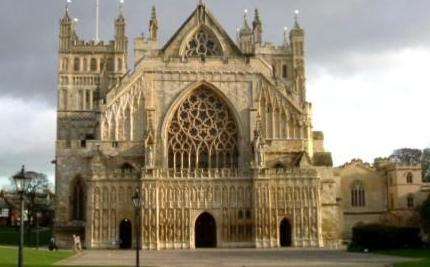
column 203, row 44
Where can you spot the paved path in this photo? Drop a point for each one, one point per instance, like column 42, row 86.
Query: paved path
column 232, row 258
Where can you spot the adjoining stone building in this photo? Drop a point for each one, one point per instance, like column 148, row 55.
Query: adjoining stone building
column 386, row 192
column 216, row 134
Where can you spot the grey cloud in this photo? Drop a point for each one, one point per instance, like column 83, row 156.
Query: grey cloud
column 334, row 29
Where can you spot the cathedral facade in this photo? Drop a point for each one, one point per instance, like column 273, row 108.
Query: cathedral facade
column 214, row 133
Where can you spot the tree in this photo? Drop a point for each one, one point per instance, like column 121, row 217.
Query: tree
column 425, row 215
column 37, row 191
column 407, row 156
column 425, row 161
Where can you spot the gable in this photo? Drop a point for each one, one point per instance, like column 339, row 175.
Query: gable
column 200, row 32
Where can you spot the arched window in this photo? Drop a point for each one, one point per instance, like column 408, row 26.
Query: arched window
column 410, row 200
column 93, row 64
column 203, row 43
column 65, row 66
column 284, row 71
column 110, row 64
column 78, row 200
column 127, row 168
column 409, row 178
column 119, row 65
column 358, row 195
column 203, row 133
column 85, row 64
column 77, row 64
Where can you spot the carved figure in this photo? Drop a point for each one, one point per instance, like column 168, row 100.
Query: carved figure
column 258, row 149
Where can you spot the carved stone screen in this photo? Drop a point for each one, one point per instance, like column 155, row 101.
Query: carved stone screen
column 203, row 133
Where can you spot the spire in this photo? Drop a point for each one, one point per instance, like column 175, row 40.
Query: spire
column 68, row 2
column 67, row 32
column 257, row 28
column 200, row 3
column 245, row 28
column 246, row 38
column 257, row 20
column 296, row 19
column 66, row 17
column 120, row 11
column 285, row 36
column 153, row 24
column 153, row 14
column 121, row 40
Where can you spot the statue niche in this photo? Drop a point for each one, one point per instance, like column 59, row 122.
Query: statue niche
column 202, row 133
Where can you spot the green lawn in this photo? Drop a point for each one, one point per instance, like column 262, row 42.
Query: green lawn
column 32, row 257
column 423, row 254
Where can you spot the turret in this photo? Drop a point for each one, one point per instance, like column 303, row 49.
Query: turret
column 246, row 38
column 121, row 40
column 257, row 28
column 297, row 42
column 147, row 46
column 66, row 31
column 153, row 25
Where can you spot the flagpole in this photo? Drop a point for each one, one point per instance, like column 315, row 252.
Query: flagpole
column 97, row 19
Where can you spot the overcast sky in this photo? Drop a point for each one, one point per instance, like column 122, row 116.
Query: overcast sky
column 367, row 65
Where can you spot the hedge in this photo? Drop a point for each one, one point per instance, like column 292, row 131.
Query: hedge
column 10, row 236
column 376, row 237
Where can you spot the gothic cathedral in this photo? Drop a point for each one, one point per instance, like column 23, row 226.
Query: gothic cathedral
column 214, row 133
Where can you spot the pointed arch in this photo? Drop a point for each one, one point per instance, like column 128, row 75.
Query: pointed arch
column 127, row 123
column 202, row 130
column 78, row 199
column 105, row 129
column 112, row 128
column 358, row 194
column 202, row 41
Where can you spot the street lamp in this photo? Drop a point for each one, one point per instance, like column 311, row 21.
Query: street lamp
column 137, row 202
column 22, row 183
column 38, row 216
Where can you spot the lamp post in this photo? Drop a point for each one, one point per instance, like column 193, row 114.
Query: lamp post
column 137, row 204
column 22, row 182
column 38, row 215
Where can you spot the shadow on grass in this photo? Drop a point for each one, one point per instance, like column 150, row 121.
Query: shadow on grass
column 421, row 256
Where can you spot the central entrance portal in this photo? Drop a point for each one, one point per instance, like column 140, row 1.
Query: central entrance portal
column 285, row 233
column 205, row 231
column 125, row 234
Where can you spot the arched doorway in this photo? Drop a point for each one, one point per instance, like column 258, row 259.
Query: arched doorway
column 205, row 231
column 285, row 233
column 125, row 234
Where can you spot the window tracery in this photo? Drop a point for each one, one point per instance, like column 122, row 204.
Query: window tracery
column 203, row 43
column 202, row 133
column 358, row 196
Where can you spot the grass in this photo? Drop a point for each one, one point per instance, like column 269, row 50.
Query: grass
column 423, row 254
column 32, row 257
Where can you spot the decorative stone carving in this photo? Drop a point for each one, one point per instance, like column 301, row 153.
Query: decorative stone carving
column 203, row 44
column 258, row 149
column 202, row 133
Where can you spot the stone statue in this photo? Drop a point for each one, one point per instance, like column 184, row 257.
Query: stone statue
column 149, row 156
column 258, row 149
